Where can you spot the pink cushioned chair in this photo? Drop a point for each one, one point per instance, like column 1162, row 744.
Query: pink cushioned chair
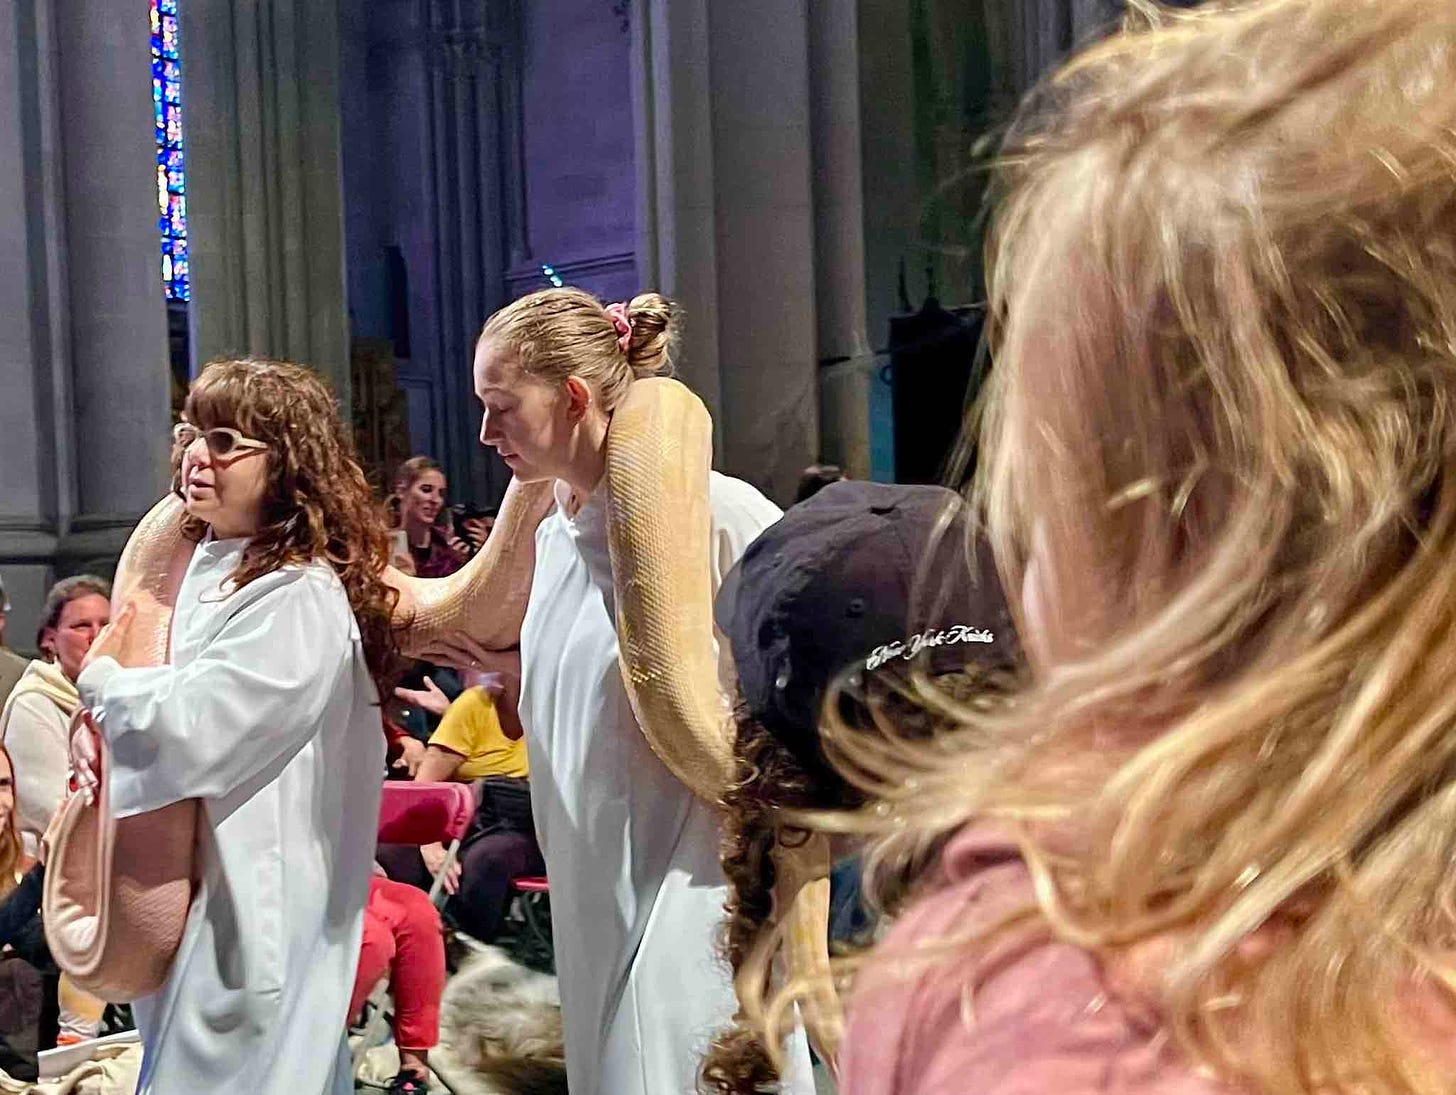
column 427, row 813
column 417, row 813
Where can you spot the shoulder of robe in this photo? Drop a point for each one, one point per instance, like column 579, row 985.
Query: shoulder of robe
column 735, row 501
column 309, row 588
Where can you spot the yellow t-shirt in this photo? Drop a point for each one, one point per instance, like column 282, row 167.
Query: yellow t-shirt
column 472, row 728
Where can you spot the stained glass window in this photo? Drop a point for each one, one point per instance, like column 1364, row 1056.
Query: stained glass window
column 171, row 181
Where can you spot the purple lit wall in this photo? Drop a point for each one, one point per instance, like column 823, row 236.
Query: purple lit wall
column 580, row 181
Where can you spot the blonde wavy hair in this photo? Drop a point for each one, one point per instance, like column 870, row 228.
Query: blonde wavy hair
column 1218, row 455
column 557, row 333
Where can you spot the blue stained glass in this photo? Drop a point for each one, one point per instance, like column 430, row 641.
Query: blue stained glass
column 171, row 177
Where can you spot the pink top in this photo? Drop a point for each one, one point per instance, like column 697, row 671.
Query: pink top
column 1040, row 1021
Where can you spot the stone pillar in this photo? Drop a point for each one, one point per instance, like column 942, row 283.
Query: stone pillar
column 677, row 247
column 83, row 346
column 722, row 97
column 30, row 222
column 265, row 200
column 765, row 217
column 890, row 195
column 845, row 360
column 116, row 307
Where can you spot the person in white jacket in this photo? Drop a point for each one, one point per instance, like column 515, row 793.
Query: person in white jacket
column 266, row 713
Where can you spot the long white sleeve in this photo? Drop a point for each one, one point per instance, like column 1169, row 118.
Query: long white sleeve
column 238, row 710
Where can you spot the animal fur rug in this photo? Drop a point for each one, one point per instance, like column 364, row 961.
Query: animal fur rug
column 500, row 1029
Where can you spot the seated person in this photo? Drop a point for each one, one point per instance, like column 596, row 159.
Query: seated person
column 424, row 693
column 35, row 728
column 815, row 478
column 66, row 1015
column 402, row 937
column 425, row 540
column 479, row 739
column 479, row 734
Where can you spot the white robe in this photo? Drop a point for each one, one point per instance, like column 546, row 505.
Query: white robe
column 267, row 714
column 636, row 888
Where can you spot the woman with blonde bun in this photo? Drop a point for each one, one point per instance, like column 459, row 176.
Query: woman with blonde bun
column 632, row 854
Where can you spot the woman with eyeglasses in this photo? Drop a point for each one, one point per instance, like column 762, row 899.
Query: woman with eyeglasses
column 268, row 714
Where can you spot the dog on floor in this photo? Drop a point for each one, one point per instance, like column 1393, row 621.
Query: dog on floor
column 500, row 1029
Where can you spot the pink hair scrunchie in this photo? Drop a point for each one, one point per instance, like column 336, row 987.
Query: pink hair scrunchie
column 617, row 313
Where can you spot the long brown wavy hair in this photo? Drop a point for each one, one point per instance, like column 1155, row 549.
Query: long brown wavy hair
column 767, row 778
column 318, row 504
column 773, row 795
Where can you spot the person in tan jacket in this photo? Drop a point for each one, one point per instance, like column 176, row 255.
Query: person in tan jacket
column 35, row 720
column 12, row 665
column 35, row 730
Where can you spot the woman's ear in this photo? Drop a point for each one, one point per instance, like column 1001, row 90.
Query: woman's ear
column 47, row 644
column 578, row 398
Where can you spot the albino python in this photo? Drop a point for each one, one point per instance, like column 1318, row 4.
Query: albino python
column 117, row 891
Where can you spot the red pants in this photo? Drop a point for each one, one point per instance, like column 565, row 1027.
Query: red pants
column 402, row 935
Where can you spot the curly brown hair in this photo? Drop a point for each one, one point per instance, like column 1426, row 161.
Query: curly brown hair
column 770, row 778
column 767, row 776
column 318, row 503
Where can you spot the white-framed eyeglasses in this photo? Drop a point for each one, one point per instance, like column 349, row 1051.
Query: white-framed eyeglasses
column 221, row 440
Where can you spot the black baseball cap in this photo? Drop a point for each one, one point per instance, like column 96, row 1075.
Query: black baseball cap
column 834, row 583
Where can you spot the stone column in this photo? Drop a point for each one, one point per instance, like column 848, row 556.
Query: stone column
column 890, row 196
column 265, row 200
column 765, row 217
column 722, row 97
column 116, row 307
column 677, row 249
column 83, row 345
